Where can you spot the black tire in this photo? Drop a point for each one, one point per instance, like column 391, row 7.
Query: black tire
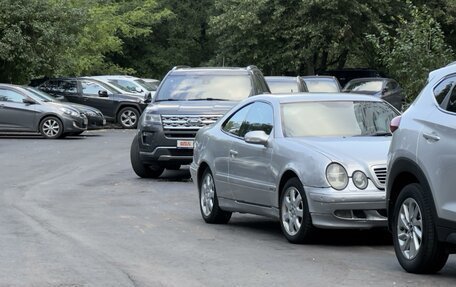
column 128, row 118
column 51, row 128
column 144, row 171
column 432, row 254
column 214, row 214
column 306, row 230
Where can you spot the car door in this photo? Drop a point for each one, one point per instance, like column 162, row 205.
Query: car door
column 250, row 170
column 92, row 95
column 436, row 148
column 68, row 91
column 15, row 115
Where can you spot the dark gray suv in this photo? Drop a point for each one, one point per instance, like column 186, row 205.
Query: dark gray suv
column 187, row 100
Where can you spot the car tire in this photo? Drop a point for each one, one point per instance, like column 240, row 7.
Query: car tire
column 295, row 219
column 51, row 128
column 209, row 206
column 144, row 171
column 431, row 255
column 128, row 117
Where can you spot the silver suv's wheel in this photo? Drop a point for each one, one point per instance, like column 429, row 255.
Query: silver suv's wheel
column 210, row 210
column 128, row 118
column 51, row 128
column 414, row 234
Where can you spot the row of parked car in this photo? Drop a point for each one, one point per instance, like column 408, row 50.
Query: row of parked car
column 310, row 160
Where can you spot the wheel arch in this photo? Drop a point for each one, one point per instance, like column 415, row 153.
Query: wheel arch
column 287, row 175
column 127, row 105
column 47, row 115
column 202, row 167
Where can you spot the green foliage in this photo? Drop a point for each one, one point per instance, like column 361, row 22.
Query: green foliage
column 415, row 48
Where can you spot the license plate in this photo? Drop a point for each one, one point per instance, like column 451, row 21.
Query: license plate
column 184, row 144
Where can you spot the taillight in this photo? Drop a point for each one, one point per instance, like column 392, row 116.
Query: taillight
column 394, row 124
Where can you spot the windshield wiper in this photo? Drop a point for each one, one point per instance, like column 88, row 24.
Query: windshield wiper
column 208, row 99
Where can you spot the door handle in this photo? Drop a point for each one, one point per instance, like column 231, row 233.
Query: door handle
column 233, row 153
column 431, row 137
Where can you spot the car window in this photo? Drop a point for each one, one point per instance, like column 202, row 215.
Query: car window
column 283, row 86
column 67, row 87
column 233, row 124
column 259, row 118
column 451, row 106
column 125, row 85
column 50, row 85
column 443, row 89
column 91, row 88
column 320, row 85
column 364, row 86
column 390, row 86
column 10, row 96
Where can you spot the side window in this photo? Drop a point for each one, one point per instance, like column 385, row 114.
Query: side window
column 233, row 124
column 443, row 89
column 50, row 86
column 451, row 106
column 91, row 88
column 125, row 85
column 68, row 87
column 10, row 96
column 259, row 118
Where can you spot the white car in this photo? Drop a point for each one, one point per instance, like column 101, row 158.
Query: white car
column 128, row 84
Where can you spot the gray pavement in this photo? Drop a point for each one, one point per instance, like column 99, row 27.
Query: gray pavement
column 73, row 213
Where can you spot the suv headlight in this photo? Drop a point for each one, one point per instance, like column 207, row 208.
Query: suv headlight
column 70, row 112
column 152, row 119
column 337, row 176
column 360, row 179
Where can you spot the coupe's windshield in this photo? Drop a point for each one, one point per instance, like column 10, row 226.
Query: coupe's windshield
column 338, row 118
column 202, row 87
column 364, row 86
column 283, row 86
column 316, row 85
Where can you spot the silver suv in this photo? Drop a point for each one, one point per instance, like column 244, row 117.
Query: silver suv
column 421, row 177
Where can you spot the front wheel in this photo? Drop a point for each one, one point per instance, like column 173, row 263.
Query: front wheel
column 51, row 128
column 414, row 234
column 295, row 218
column 209, row 207
column 142, row 170
column 128, row 118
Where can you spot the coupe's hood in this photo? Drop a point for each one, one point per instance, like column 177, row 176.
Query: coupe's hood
column 58, row 105
column 351, row 151
column 192, row 107
column 83, row 107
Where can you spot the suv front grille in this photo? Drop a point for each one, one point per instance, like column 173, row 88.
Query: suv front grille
column 380, row 174
column 186, row 126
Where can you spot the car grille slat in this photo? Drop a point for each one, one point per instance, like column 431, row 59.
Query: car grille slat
column 186, row 126
column 380, row 174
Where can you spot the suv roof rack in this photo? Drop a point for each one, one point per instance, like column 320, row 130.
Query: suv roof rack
column 251, row 67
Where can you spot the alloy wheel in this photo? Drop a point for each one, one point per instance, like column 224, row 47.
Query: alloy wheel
column 128, row 118
column 51, row 128
column 207, row 194
column 409, row 228
column 292, row 211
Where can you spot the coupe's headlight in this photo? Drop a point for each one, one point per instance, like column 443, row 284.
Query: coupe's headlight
column 152, row 119
column 70, row 112
column 337, row 176
column 360, row 179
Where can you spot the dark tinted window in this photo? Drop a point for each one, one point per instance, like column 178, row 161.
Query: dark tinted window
column 259, row 118
column 451, row 105
column 234, row 123
column 10, row 96
column 50, row 85
column 67, row 87
column 443, row 89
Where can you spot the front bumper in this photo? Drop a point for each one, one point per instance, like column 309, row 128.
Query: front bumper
column 74, row 124
column 330, row 208
column 95, row 122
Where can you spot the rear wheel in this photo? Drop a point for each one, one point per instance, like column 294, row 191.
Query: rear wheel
column 142, row 170
column 295, row 218
column 128, row 118
column 209, row 207
column 414, row 234
column 51, row 128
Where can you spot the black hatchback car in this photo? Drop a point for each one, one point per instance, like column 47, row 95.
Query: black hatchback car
column 115, row 106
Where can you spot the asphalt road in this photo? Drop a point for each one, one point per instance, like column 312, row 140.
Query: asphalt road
column 73, row 213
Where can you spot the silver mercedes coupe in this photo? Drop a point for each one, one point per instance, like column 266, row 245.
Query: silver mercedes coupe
column 308, row 160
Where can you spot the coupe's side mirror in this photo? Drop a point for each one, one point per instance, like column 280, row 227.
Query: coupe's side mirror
column 103, row 94
column 148, row 97
column 256, row 137
column 28, row 101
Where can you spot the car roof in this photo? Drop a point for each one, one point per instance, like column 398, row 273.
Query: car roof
column 115, row 77
column 369, row 79
column 318, row 77
column 315, row 97
column 211, row 70
column 442, row 72
column 280, row 78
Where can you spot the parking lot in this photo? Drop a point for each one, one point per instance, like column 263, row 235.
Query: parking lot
column 73, row 213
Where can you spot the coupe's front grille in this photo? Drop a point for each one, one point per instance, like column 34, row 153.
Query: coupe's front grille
column 380, row 174
column 186, row 126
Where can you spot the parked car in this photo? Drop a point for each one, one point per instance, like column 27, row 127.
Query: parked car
column 384, row 88
column 23, row 111
column 309, row 160
column 285, row 84
column 187, row 100
column 128, row 84
column 421, row 179
column 153, row 83
column 347, row 74
column 117, row 107
column 322, row 84
column 94, row 116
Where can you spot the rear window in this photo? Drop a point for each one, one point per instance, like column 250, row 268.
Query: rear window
column 283, row 86
column 322, row 85
column 364, row 86
column 205, row 87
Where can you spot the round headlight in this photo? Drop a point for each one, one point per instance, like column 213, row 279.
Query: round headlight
column 337, row 176
column 360, row 179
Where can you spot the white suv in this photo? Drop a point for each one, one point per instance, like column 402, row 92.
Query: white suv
column 421, row 181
